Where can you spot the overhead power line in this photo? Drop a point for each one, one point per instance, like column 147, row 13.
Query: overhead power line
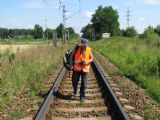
column 66, row 18
column 63, row 6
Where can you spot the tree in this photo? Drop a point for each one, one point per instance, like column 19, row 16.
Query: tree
column 72, row 33
column 11, row 33
column 87, row 31
column 106, row 20
column 130, row 32
column 123, row 32
column 38, row 32
column 15, row 33
column 49, row 33
column 59, row 30
column 157, row 30
column 149, row 32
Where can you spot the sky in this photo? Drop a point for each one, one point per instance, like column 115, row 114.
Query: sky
column 27, row 13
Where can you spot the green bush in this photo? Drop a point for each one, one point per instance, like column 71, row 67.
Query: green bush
column 130, row 32
column 136, row 58
column 149, row 32
column 157, row 29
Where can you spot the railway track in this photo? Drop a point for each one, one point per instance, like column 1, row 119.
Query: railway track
column 100, row 104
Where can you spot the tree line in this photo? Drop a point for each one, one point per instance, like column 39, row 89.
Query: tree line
column 105, row 20
column 36, row 33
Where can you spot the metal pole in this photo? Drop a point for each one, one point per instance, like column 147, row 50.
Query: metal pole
column 128, row 17
column 55, row 38
column 46, row 31
column 64, row 24
column 67, row 35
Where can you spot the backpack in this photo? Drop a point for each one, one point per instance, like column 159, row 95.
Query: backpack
column 67, row 56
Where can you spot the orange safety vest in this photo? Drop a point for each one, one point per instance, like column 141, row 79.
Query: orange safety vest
column 79, row 57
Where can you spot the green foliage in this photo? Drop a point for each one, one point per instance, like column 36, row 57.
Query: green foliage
column 157, row 30
column 72, row 33
column 87, row 31
column 130, row 32
column 7, row 52
column 59, row 30
column 5, row 32
column 150, row 114
column 136, row 58
column 105, row 20
column 149, row 32
column 49, row 33
column 37, row 32
column 70, row 29
column 14, row 114
column 26, row 71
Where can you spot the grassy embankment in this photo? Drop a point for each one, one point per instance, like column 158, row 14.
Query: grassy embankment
column 138, row 59
column 26, row 71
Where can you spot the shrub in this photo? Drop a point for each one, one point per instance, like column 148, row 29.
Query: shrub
column 130, row 32
column 138, row 59
column 149, row 32
column 157, row 30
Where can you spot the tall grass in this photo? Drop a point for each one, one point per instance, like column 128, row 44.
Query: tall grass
column 26, row 71
column 138, row 59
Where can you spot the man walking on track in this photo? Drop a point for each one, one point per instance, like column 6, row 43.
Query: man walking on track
column 82, row 58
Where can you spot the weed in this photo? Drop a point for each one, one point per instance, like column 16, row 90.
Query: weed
column 150, row 113
column 138, row 59
column 29, row 69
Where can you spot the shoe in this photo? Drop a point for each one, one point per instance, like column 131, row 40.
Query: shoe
column 75, row 94
column 82, row 99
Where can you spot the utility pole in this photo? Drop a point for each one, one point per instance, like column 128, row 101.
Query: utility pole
column 64, row 24
column 128, row 17
column 55, row 38
column 65, row 19
column 67, row 35
column 46, row 31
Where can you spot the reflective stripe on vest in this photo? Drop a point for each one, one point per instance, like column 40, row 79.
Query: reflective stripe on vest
column 79, row 58
column 81, row 69
column 77, row 61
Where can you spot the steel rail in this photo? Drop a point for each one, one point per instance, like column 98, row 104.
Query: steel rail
column 113, row 100
column 46, row 104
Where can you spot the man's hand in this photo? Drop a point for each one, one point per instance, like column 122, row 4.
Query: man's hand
column 86, row 62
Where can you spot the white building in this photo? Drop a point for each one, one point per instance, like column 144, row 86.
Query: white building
column 106, row 35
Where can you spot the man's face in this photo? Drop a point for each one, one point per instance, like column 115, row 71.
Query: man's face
column 84, row 46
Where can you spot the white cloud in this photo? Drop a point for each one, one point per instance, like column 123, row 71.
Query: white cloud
column 30, row 26
column 88, row 13
column 153, row 1
column 34, row 5
column 142, row 19
column 132, row 2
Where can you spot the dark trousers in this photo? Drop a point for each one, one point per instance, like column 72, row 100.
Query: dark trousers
column 75, row 79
